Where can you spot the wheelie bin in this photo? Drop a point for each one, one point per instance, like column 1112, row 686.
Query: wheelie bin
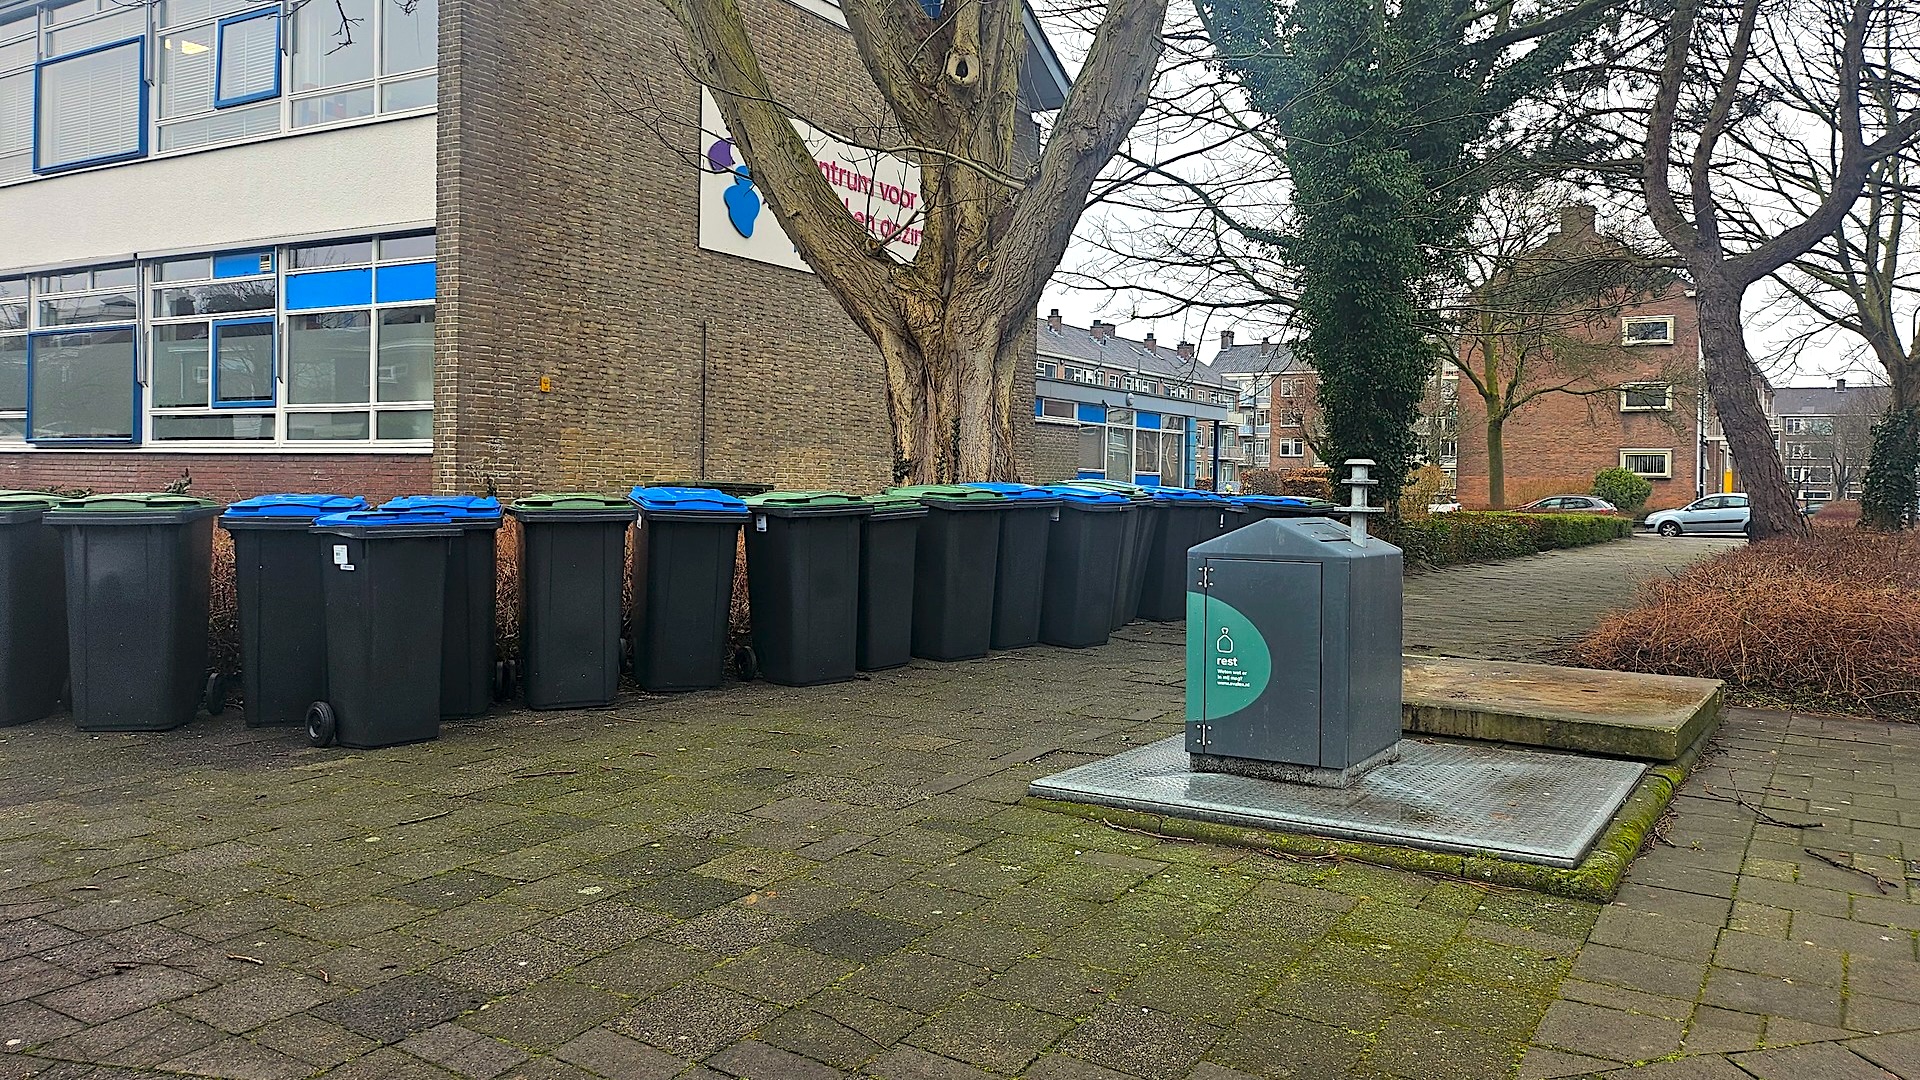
column 1134, row 547
column 1261, row 507
column 468, row 642
column 889, row 538
column 139, row 572
column 33, row 610
column 683, row 554
column 803, row 582
column 573, row 551
column 384, row 591
column 277, row 560
column 1083, row 562
column 1186, row 518
column 955, row 560
column 1020, row 572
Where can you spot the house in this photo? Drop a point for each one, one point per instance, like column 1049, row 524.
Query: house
column 378, row 247
column 1108, row 407
column 1825, row 434
column 1277, row 410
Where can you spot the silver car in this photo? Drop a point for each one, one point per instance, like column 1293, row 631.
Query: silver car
column 1719, row 514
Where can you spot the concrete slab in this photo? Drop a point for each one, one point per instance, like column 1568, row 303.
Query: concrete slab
column 1620, row 714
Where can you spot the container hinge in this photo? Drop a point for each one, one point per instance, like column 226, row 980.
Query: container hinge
column 1206, row 578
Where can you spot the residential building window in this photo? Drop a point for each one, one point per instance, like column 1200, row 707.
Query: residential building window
column 1043, row 369
column 1653, row 464
column 1801, row 451
column 1113, row 379
column 1646, row 330
column 1646, row 397
column 1260, row 451
column 1289, row 448
column 1292, row 418
column 1289, row 387
column 1803, row 425
column 1260, row 418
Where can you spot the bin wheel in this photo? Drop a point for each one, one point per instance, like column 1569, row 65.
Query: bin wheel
column 216, row 700
column 746, row 664
column 321, row 728
column 506, row 679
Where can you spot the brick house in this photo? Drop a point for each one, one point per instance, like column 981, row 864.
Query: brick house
column 452, row 243
column 1639, row 420
column 1277, row 417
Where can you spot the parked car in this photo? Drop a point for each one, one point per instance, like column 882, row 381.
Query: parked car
column 1717, row 514
column 1568, row 504
column 1446, row 507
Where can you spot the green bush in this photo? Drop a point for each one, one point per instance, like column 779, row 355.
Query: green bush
column 1627, row 490
column 1466, row 536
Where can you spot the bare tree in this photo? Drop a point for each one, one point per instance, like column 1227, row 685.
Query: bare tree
column 992, row 233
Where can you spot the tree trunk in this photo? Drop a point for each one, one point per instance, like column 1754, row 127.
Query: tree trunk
column 1730, row 379
column 1496, row 461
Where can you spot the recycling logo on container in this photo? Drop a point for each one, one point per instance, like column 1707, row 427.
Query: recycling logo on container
column 1227, row 661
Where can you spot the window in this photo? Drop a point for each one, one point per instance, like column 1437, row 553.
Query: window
column 1646, row 397
column 13, row 359
column 1260, row 450
column 1646, row 330
column 91, row 106
column 1093, row 450
column 1042, row 369
column 1654, row 464
column 1289, row 387
column 1802, row 425
column 213, row 345
column 359, row 335
column 19, row 48
column 1055, row 409
column 1173, row 454
column 1800, row 451
column 1113, row 379
column 1260, row 418
column 1292, row 418
column 1120, row 451
column 1289, row 448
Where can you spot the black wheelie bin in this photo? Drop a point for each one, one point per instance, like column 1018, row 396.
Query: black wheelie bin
column 1186, row 518
column 1261, row 507
column 953, row 570
column 573, row 554
column 889, row 538
column 683, row 555
column 1083, row 561
column 1020, row 573
column 139, row 572
column 33, row 610
column 1134, row 547
column 803, row 583
column 468, row 643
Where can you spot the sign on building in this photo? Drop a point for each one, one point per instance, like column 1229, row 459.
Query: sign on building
column 879, row 190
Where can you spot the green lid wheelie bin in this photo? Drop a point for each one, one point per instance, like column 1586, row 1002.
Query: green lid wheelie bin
column 277, row 559
column 1186, row 518
column 683, row 555
column 1083, row 561
column 33, row 610
column 573, row 551
column 384, row 590
column 469, row 642
column 803, row 582
column 1021, row 570
column 139, row 572
column 1135, row 544
column 889, row 539
column 954, row 564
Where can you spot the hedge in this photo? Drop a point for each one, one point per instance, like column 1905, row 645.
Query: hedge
column 1466, row 536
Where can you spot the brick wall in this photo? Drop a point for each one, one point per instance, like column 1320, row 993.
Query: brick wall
column 1556, row 444
column 223, row 476
column 1056, row 453
column 568, row 210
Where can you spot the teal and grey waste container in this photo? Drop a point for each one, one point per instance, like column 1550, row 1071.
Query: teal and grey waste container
column 573, row 556
column 1186, row 518
column 1083, row 562
column 1135, row 545
column 277, row 560
column 384, row 593
column 1020, row 573
column 889, row 539
column 803, row 584
column 468, row 643
column 683, row 557
column 139, row 572
column 33, row 610
column 954, row 565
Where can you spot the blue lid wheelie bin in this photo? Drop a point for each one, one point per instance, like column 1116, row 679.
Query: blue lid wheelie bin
column 33, row 609
column 384, row 593
column 573, row 553
column 1083, row 564
column 276, row 576
column 468, row 644
column 1261, row 507
column 1186, row 518
column 1135, row 545
column 683, row 556
column 1020, row 573
column 139, row 572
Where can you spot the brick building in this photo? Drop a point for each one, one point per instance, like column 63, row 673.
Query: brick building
column 1825, row 434
column 1635, row 416
column 446, row 244
column 1277, row 412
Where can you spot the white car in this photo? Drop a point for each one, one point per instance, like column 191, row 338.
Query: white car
column 1722, row 515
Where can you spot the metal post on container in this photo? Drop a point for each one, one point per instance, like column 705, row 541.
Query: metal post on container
column 1357, row 509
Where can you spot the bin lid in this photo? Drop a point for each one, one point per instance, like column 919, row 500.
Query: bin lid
column 709, row 504
column 1085, row 498
column 1288, row 502
column 896, row 506
column 140, row 508
column 799, row 503
column 1187, row 497
column 953, row 496
column 572, row 506
column 1023, row 493
column 394, row 522
column 472, row 509
column 28, row 500
column 1133, row 493
column 289, row 509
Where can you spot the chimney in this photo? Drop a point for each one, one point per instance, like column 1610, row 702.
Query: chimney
column 1576, row 220
column 1226, row 339
column 1053, row 320
column 1185, row 350
column 1100, row 330
column 1152, row 343
column 1839, row 386
column 1266, row 346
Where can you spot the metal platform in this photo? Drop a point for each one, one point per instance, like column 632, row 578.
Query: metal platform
column 1532, row 806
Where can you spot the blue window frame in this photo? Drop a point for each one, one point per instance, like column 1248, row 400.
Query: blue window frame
column 329, row 289
column 246, row 66
column 243, row 264
column 242, row 371
column 407, row 282
column 79, row 88
column 85, row 420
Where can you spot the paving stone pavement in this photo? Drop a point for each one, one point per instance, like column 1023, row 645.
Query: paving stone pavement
column 766, row 882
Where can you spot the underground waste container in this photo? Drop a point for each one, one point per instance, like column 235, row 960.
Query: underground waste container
column 1083, row 561
column 1186, row 518
column 1135, row 543
column 803, row 584
column 33, row 610
column 683, row 556
column 277, row 561
column 573, row 551
column 384, row 595
column 1020, row 572
column 889, row 539
column 469, row 669
column 955, row 559
column 139, row 571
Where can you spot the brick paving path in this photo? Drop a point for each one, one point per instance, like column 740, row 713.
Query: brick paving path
column 766, row 882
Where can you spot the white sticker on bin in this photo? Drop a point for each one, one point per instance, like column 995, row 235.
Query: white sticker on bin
column 340, row 557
